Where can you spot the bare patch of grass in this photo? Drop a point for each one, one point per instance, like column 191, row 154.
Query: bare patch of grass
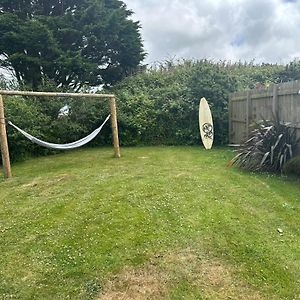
column 143, row 283
column 212, row 278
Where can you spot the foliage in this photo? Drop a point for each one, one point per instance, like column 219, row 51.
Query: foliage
column 291, row 71
column 211, row 80
column 255, row 76
column 160, row 105
column 270, row 146
column 25, row 114
column 154, row 107
column 39, row 116
column 293, row 166
column 157, row 106
column 71, row 42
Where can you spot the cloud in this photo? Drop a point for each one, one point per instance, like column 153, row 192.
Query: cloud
column 263, row 30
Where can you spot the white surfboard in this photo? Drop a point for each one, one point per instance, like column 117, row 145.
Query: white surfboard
column 206, row 124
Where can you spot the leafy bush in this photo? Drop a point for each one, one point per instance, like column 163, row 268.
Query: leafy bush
column 39, row 117
column 293, row 166
column 155, row 106
column 291, row 71
column 269, row 148
column 160, row 105
column 25, row 114
column 212, row 81
column 250, row 75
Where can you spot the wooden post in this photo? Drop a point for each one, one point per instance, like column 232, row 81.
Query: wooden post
column 3, row 142
column 230, row 120
column 248, row 114
column 275, row 100
column 114, row 126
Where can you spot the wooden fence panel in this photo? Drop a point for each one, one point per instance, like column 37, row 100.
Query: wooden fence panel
column 262, row 109
column 238, row 119
column 254, row 105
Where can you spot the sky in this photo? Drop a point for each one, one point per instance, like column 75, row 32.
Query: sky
column 260, row 30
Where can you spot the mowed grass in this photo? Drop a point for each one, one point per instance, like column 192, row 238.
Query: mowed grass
column 159, row 223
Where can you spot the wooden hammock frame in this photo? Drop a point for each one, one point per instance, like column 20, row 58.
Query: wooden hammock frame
column 3, row 134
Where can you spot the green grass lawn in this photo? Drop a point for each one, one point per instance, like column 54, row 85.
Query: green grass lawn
column 159, row 223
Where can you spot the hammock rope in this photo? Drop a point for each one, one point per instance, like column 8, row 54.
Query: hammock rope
column 67, row 146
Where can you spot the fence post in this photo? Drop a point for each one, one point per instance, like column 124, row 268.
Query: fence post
column 229, row 120
column 114, row 126
column 4, row 143
column 275, row 100
column 248, row 113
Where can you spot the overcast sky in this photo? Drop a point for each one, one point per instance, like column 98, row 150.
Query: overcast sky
column 263, row 30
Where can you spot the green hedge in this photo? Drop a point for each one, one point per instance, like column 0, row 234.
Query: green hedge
column 160, row 106
column 156, row 106
column 39, row 117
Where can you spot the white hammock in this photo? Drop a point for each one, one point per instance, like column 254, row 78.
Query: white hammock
column 68, row 146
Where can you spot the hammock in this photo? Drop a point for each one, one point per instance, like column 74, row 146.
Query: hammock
column 68, row 146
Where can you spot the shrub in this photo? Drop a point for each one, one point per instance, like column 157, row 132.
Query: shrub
column 269, row 148
column 156, row 106
column 39, row 117
column 26, row 115
column 161, row 106
column 293, row 166
column 214, row 82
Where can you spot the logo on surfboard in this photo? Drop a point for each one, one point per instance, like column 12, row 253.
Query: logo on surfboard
column 208, row 130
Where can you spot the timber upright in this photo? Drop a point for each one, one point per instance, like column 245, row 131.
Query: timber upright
column 4, row 143
column 114, row 126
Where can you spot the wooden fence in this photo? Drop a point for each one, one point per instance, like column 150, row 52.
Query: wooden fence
column 253, row 105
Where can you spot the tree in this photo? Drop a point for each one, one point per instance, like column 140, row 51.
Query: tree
column 73, row 42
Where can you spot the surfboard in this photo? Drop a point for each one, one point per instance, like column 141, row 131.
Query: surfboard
column 206, row 124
